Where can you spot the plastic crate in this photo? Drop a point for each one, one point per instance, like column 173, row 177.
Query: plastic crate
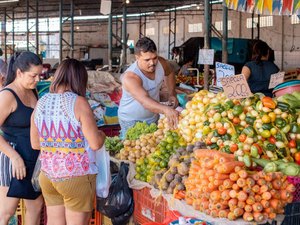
column 111, row 130
column 148, row 209
column 295, row 181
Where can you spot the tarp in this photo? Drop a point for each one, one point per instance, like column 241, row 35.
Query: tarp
column 265, row 7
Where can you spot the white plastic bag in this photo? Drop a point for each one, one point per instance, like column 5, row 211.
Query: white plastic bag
column 35, row 175
column 103, row 179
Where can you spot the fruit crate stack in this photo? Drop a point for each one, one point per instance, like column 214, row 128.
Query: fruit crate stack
column 148, row 209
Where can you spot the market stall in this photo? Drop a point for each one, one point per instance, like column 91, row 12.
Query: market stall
column 231, row 161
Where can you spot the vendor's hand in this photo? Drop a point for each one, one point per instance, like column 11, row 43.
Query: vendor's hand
column 172, row 117
column 174, row 101
column 18, row 168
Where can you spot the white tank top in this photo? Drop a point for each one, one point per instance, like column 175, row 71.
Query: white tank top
column 130, row 109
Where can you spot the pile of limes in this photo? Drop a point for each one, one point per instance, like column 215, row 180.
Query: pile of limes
column 158, row 160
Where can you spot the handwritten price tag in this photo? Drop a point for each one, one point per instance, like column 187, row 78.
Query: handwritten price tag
column 206, row 57
column 223, row 70
column 236, row 87
column 276, row 78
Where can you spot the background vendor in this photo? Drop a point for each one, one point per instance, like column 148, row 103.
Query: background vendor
column 141, row 84
column 258, row 72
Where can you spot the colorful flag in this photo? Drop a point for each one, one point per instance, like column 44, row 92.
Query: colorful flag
column 234, row 4
column 277, row 5
column 287, row 7
column 250, row 6
column 296, row 7
column 242, row 5
column 268, row 7
column 259, row 6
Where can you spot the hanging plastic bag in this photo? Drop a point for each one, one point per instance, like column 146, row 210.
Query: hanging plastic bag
column 119, row 200
column 35, row 175
column 103, row 179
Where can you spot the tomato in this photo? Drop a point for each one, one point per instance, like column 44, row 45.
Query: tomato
column 265, row 134
column 222, row 131
column 233, row 148
column 266, row 119
column 236, row 120
column 208, row 141
column 242, row 137
column 259, row 148
column 272, row 140
column 297, row 157
column 293, row 144
column 272, row 116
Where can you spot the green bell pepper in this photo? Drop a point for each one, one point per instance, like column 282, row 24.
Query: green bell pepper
column 280, row 122
column 237, row 110
column 268, row 146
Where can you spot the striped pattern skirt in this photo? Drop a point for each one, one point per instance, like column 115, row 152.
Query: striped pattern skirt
column 5, row 170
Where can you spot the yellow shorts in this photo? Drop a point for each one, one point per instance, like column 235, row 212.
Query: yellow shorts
column 76, row 194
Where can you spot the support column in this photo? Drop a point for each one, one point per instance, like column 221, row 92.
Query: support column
column 37, row 27
column 172, row 31
column 60, row 29
column 124, row 36
column 13, row 30
column 5, row 36
column 110, row 41
column 27, row 24
column 72, row 28
column 225, row 35
column 206, row 39
column 142, row 26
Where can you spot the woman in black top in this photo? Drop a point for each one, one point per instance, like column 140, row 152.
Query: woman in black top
column 17, row 158
column 258, row 72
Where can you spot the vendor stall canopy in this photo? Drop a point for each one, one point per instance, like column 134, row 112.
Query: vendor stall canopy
column 92, row 7
column 266, row 7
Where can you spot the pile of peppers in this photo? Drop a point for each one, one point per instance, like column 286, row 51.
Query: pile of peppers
column 255, row 127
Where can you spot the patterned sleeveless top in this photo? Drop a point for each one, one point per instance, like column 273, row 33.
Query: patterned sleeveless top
column 63, row 153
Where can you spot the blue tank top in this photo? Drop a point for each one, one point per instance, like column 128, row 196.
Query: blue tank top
column 130, row 109
column 260, row 76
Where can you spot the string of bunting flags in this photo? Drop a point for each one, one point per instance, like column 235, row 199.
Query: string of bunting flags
column 266, row 7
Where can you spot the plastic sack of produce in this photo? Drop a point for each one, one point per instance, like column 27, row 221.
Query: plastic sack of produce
column 120, row 197
column 103, row 179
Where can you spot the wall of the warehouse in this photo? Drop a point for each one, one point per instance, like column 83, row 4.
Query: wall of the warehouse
column 282, row 36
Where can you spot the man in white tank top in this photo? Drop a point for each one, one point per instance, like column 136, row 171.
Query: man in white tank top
column 141, row 84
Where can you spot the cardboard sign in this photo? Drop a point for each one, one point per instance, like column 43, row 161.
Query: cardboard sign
column 236, row 87
column 105, row 7
column 206, row 56
column 223, row 70
column 276, row 78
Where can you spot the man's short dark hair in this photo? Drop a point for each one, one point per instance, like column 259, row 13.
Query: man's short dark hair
column 145, row 44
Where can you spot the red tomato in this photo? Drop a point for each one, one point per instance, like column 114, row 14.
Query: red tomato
column 242, row 137
column 222, row 131
column 233, row 148
column 236, row 120
column 292, row 144
column 272, row 140
column 297, row 157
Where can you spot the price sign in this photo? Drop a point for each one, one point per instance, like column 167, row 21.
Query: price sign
column 206, row 57
column 276, row 78
column 236, row 87
column 223, row 70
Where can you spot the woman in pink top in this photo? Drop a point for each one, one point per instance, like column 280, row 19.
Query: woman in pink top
column 61, row 124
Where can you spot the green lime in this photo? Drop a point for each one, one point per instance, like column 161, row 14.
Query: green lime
column 169, row 147
column 170, row 139
column 163, row 164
